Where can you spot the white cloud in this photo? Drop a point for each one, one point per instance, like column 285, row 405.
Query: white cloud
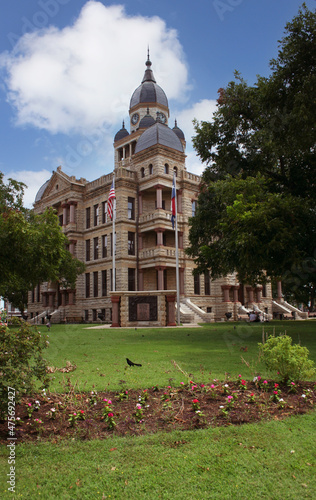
column 201, row 111
column 81, row 77
column 33, row 181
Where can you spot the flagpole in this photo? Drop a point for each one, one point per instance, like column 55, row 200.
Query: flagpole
column 177, row 253
column 113, row 238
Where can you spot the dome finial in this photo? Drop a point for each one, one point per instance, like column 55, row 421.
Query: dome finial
column 148, row 76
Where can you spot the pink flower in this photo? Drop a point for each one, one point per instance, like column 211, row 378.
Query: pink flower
column 81, row 411
column 212, row 386
column 265, row 382
column 259, row 378
column 239, row 376
column 202, row 385
column 110, row 415
column 292, row 383
column 109, row 402
column 182, row 383
column 229, row 398
column 105, row 399
column 169, row 387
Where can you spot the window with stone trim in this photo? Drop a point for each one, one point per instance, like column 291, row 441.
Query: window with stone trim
column 104, row 283
column 95, row 215
column 196, row 284
column 207, row 284
column 87, row 285
column 166, row 168
column 104, row 246
column 96, row 248
column 87, row 250
column 88, row 215
column 131, row 243
column 131, row 208
column 95, row 284
column 104, row 211
column 150, row 169
column 194, row 207
column 131, row 279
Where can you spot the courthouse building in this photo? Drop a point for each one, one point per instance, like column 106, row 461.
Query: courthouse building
column 146, row 155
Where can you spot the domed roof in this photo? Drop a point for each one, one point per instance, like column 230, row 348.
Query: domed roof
column 121, row 133
column 158, row 134
column 147, row 121
column 178, row 131
column 41, row 190
column 148, row 91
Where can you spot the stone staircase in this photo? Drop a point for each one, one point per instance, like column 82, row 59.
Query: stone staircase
column 190, row 313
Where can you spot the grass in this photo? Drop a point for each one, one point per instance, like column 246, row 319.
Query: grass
column 205, row 353
column 269, row 460
column 272, row 460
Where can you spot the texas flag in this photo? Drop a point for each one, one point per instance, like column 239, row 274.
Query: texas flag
column 173, row 201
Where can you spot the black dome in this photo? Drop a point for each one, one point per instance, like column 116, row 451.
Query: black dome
column 178, row 131
column 158, row 134
column 148, row 91
column 121, row 134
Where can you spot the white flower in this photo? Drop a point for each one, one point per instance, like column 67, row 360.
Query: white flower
column 303, row 396
column 255, row 379
column 221, row 406
column 281, row 399
column 226, row 385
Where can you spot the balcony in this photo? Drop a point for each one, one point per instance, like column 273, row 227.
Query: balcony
column 159, row 255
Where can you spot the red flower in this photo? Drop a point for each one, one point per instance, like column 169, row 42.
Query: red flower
column 110, row 415
column 195, row 400
column 275, row 392
column 243, row 382
column 276, row 385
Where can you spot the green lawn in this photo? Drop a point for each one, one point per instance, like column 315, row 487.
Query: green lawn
column 270, row 460
column 206, row 353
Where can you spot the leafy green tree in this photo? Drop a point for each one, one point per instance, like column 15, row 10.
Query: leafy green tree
column 32, row 247
column 256, row 207
column 22, row 364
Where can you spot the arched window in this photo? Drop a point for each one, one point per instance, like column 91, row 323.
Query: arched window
column 150, row 169
column 166, row 168
column 175, row 169
column 142, row 172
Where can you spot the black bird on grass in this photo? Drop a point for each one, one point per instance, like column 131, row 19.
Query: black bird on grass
column 130, row 363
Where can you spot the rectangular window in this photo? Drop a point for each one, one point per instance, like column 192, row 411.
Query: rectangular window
column 60, row 218
column 131, row 208
column 104, row 284
column 104, row 212
column 131, row 279
column 94, row 315
column 87, row 285
column 194, row 205
column 86, row 315
column 87, row 250
column 131, row 243
column 207, row 285
column 96, row 248
column 87, row 218
column 197, row 284
column 95, row 214
column 95, row 284
column 104, row 246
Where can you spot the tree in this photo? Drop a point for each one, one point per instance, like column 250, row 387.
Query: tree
column 32, row 247
column 256, row 211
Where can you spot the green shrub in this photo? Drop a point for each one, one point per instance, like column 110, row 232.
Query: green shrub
column 21, row 361
column 289, row 361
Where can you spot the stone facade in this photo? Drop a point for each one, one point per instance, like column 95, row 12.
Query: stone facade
column 145, row 161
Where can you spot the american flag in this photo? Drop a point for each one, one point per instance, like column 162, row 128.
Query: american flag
column 110, row 200
column 173, row 201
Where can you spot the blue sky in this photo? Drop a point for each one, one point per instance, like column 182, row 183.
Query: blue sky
column 68, row 69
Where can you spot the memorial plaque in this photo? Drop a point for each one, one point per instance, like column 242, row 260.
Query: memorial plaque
column 142, row 308
column 143, row 312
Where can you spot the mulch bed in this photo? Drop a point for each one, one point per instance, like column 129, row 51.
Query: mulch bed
column 46, row 417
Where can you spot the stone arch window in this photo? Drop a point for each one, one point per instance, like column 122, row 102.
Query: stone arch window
column 175, row 169
column 142, row 172
column 150, row 168
column 166, row 168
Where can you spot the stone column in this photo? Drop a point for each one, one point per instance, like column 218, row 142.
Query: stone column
column 235, row 292
column 72, row 244
column 159, row 232
column 171, row 310
column 63, row 298
column 160, row 270
column 250, row 291
column 71, row 294
column 181, row 280
column 72, row 205
column 226, row 289
column 140, row 241
column 140, row 204
column 279, row 285
column 259, row 292
column 51, row 296
column 65, row 208
column 159, row 196
column 140, row 280
column 179, row 200
column 115, row 310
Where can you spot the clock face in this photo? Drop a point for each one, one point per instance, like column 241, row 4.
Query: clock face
column 135, row 118
column 162, row 117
